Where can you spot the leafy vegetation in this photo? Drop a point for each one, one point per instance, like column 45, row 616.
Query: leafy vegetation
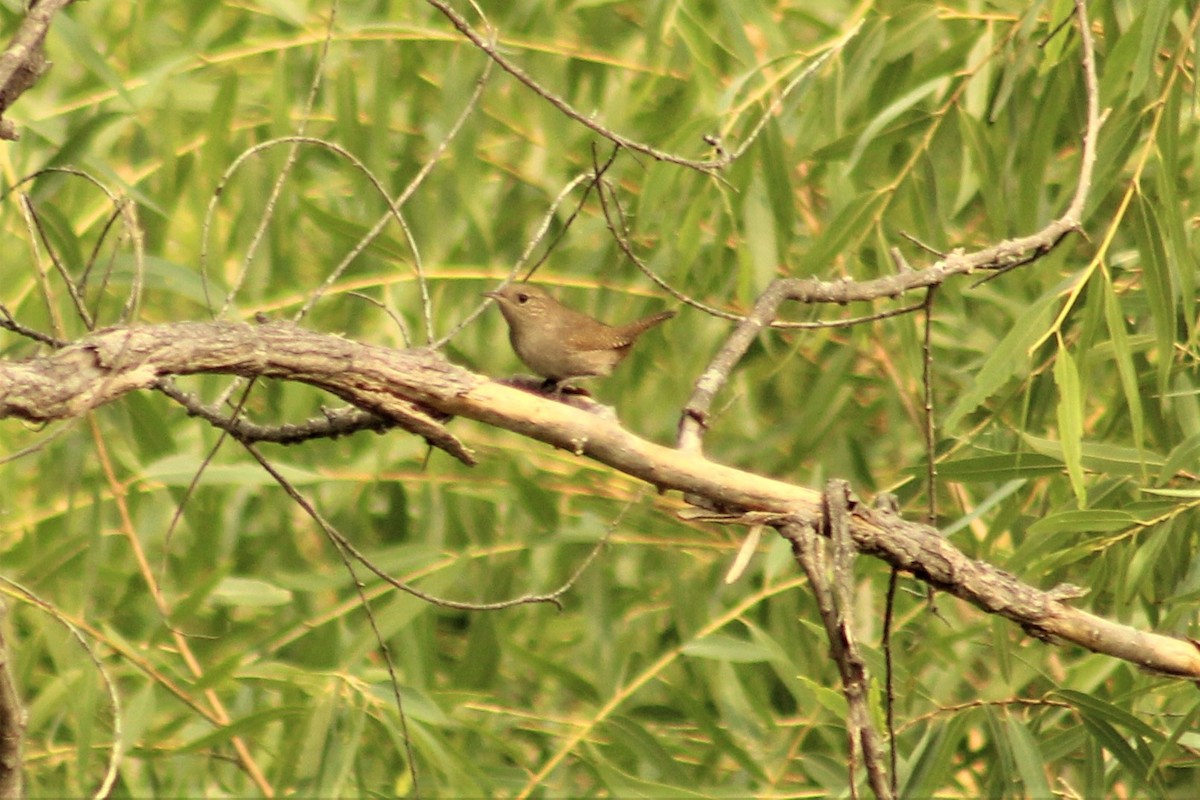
column 236, row 638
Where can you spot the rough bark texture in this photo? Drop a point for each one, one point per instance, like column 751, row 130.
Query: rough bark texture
column 398, row 383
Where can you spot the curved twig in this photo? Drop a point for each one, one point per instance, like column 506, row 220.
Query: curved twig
column 998, row 258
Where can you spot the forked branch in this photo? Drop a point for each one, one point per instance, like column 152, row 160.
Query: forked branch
column 998, row 258
column 398, row 384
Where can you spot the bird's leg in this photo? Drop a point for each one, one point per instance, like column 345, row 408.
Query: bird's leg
column 559, row 387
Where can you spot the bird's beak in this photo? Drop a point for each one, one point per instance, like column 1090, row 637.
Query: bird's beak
column 493, row 295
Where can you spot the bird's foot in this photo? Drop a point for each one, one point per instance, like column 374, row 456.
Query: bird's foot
column 560, row 388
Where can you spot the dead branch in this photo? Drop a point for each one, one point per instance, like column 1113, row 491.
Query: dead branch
column 832, row 589
column 114, row 361
column 405, row 384
column 996, row 259
column 23, row 62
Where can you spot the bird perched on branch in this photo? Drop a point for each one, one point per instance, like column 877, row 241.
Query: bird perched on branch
column 560, row 343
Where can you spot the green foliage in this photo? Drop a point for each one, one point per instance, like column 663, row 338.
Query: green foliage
column 1066, row 392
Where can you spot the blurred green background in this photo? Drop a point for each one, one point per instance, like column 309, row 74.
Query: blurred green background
column 957, row 123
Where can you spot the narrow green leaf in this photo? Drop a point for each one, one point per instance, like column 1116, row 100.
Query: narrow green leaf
column 317, row 731
column 1008, row 359
column 1000, row 467
column 1085, row 520
column 252, row 723
column 702, row 715
column 1153, row 15
column 722, row 647
column 1109, row 459
column 1156, row 273
column 760, row 237
column 1092, row 706
column 1139, row 573
column 218, row 123
column 1177, row 116
column 1119, row 63
column 550, row 668
column 164, row 275
column 933, row 758
column 249, row 593
column 1070, row 420
column 777, row 176
column 830, row 699
column 1187, row 494
column 1006, row 490
column 479, row 668
column 1186, row 726
column 152, row 435
column 853, row 222
column 885, row 117
column 1124, row 358
column 1030, row 762
column 635, row 736
column 341, row 752
column 622, row 784
column 1052, row 52
column 85, row 52
column 1113, row 742
column 180, row 470
column 1004, row 766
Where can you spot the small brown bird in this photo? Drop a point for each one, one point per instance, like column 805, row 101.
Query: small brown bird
column 558, row 342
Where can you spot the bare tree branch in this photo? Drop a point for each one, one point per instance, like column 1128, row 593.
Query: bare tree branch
column 996, row 259
column 332, row 424
column 23, row 61
column 833, row 590
column 103, row 367
column 400, row 383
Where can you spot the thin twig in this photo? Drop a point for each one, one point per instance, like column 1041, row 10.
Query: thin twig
column 9, row 726
column 597, row 174
column 928, row 416
column 8, row 322
column 708, row 166
column 394, row 206
column 585, row 178
column 127, row 213
column 365, row 604
column 619, row 228
column 285, row 171
column 490, row 49
column 12, row 722
column 889, row 675
column 996, row 258
column 63, row 273
column 345, row 545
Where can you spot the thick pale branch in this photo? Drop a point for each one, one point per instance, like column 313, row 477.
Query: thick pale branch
column 109, row 363
column 114, row 361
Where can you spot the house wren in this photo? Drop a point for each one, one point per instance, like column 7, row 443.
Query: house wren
column 558, row 342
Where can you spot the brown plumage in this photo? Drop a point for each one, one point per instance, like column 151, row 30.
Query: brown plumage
column 558, row 342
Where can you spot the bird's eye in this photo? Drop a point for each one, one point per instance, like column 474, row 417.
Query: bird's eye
column 522, row 297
